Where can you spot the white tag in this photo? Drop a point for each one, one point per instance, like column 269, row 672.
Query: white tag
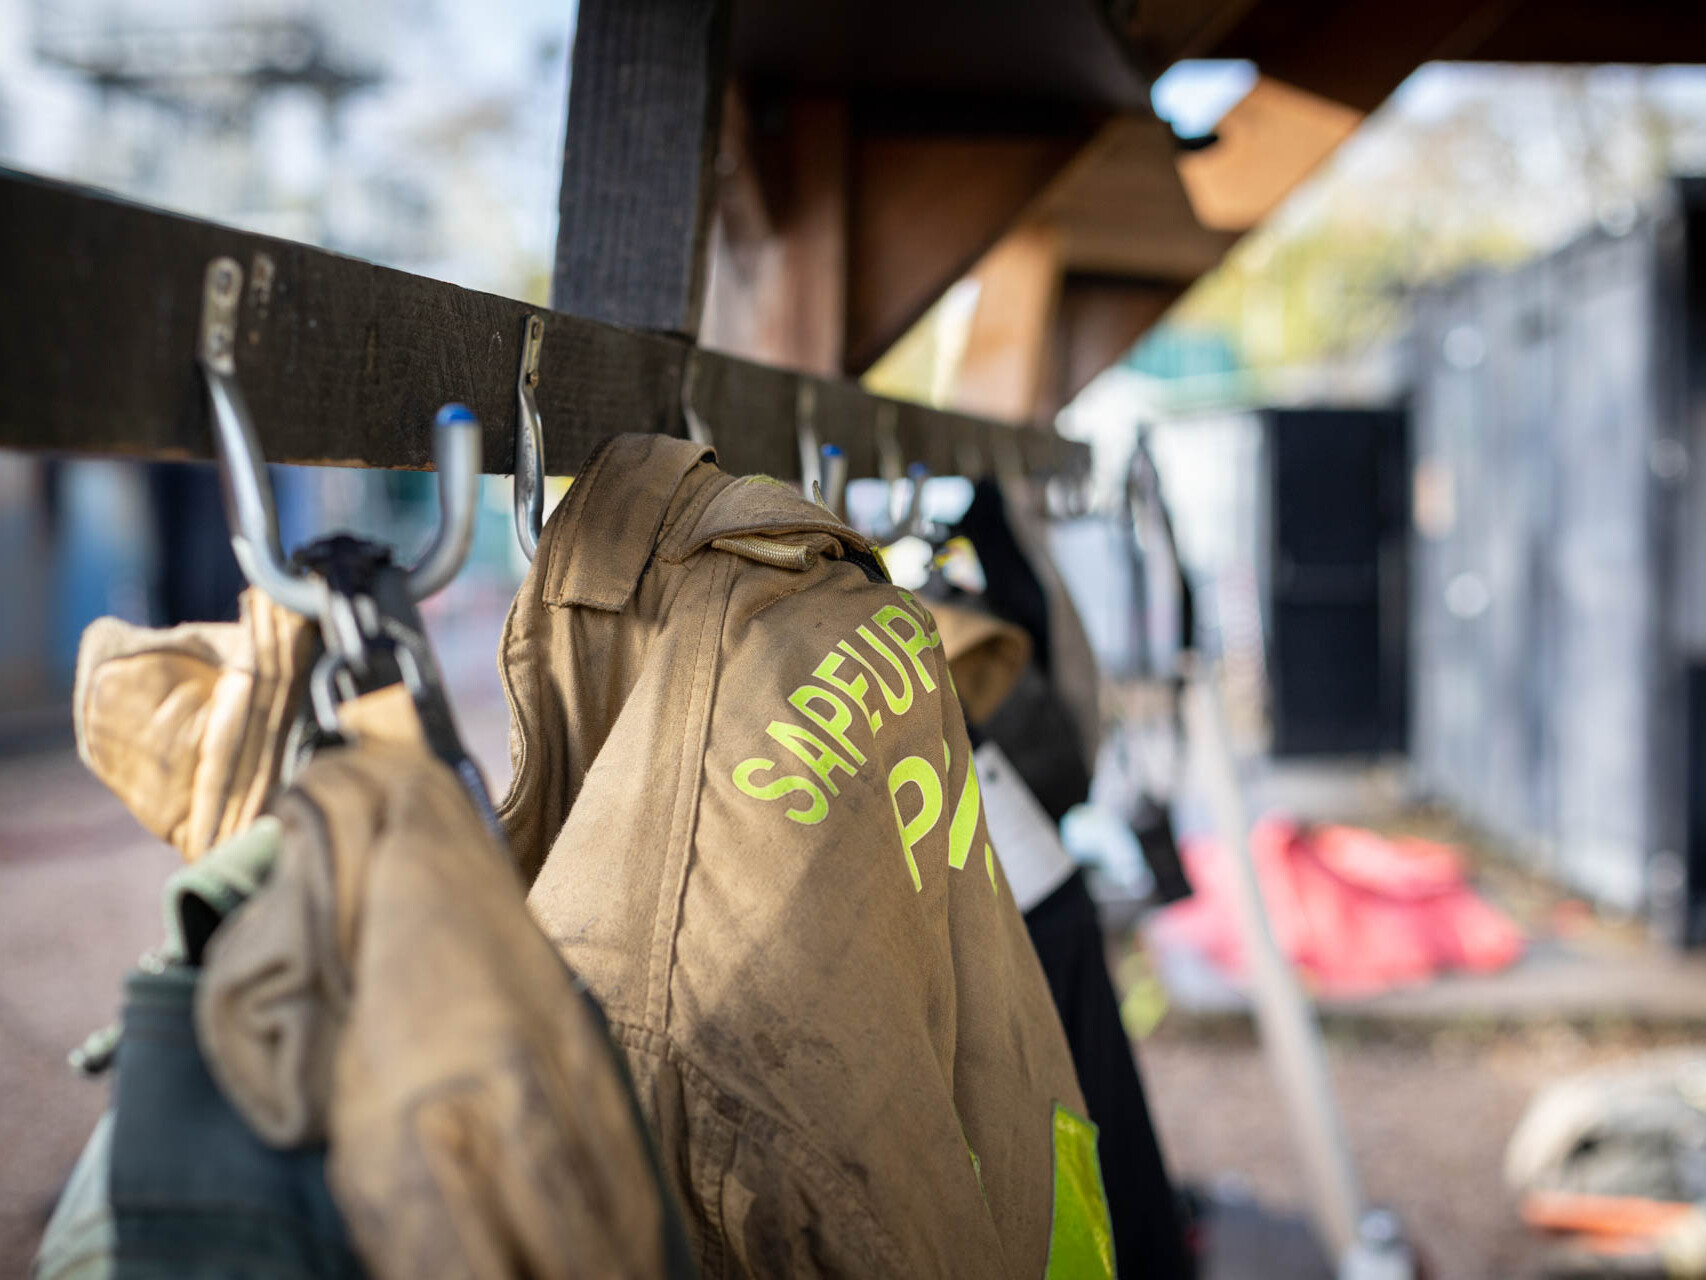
column 1025, row 839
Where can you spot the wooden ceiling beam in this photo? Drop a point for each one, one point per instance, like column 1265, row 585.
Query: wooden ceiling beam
column 923, row 210
column 778, row 276
column 1096, row 322
column 1007, row 353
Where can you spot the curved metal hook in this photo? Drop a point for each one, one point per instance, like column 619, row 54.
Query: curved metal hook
column 529, row 441
column 698, row 430
column 248, row 491
column 968, row 457
column 244, row 483
column 834, row 470
column 456, row 454
column 918, row 473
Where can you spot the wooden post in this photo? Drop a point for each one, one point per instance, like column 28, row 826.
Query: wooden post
column 1007, row 352
column 778, row 276
column 645, row 106
column 1097, row 321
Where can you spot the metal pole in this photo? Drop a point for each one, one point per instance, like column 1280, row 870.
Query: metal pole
column 1284, row 1019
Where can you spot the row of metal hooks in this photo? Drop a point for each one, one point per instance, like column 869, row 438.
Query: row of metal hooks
column 823, row 464
column 456, row 455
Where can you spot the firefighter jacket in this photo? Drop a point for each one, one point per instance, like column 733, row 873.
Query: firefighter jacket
column 745, row 799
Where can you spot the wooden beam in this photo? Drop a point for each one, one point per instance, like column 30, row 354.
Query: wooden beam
column 1122, row 210
column 925, row 209
column 1270, row 141
column 1007, row 351
column 645, row 99
column 1352, row 52
column 1069, row 52
column 343, row 362
column 1097, row 321
column 778, row 278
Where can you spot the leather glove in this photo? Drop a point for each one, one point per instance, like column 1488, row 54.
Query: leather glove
column 188, row 724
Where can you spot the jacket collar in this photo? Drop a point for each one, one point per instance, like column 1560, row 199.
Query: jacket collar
column 640, row 495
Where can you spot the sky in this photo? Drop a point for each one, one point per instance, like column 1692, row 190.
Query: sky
column 447, row 166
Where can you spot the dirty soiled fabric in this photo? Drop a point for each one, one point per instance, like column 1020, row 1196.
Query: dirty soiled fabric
column 743, row 789
column 188, row 724
column 387, row 990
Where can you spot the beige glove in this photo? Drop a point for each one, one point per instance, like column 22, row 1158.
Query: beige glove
column 188, row 724
column 986, row 657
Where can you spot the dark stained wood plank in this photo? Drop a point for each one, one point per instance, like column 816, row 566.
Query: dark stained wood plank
column 645, row 104
column 778, row 279
column 1009, row 342
column 925, row 208
column 1098, row 320
column 344, row 362
column 1064, row 51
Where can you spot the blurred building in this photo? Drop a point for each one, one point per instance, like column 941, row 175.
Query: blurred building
column 419, row 135
column 1560, row 641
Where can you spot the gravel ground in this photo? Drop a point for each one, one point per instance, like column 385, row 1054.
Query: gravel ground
column 1428, row 1118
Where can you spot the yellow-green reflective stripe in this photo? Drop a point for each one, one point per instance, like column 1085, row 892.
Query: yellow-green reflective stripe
column 964, row 826
column 1081, row 1241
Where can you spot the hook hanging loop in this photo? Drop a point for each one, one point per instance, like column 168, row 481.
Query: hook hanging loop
column 529, row 441
column 913, row 523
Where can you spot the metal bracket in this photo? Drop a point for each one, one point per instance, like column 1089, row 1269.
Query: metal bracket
column 222, row 289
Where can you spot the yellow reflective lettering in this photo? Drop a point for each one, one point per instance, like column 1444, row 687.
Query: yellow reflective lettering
column 923, row 615
column 835, row 724
column 912, row 646
column 917, row 771
column 856, row 688
column 898, row 702
column 779, row 787
column 964, row 826
column 819, row 756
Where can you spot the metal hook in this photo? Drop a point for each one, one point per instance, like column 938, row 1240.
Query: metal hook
column 529, row 441
column 248, row 491
column 1010, row 458
column 456, row 454
column 698, row 430
column 891, row 462
column 805, row 425
column 913, row 523
column 834, row 466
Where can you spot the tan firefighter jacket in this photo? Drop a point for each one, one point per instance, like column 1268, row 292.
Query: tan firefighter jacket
column 386, row 992
column 744, row 797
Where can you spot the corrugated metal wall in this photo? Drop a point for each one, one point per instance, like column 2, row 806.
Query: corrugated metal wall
column 1548, row 695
